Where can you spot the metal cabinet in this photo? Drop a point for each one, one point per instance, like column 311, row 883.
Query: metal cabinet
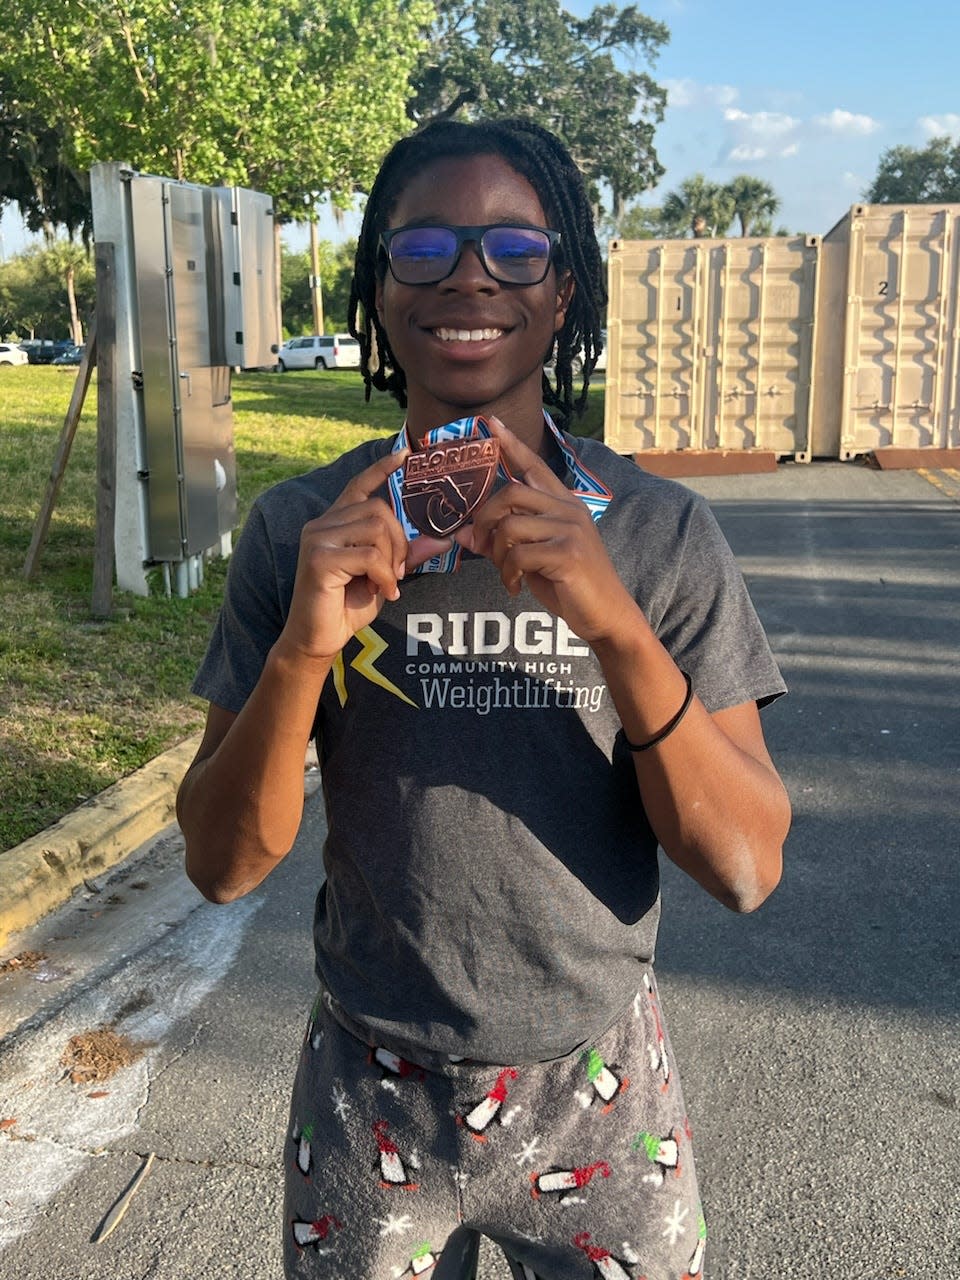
column 197, row 296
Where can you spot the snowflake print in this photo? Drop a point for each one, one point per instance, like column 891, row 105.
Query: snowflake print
column 508, row 1117
column 395, row 1224
column 341, row 1105
column 528, row 1151
column 675, row 1228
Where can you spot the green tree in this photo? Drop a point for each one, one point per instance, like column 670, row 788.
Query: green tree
column 297, row 98
column 34, row 291
column 336, row 271
column 638, row 222
column 34, row 172
column 912, row 175
column 754, row 204
column 698, row 207
column 497, row 57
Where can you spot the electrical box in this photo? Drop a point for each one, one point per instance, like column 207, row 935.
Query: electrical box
column 197, row 287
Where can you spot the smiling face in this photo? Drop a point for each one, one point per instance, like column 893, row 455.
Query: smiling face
column 469, row 344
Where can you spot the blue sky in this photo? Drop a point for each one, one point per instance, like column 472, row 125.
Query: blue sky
column 805, row 95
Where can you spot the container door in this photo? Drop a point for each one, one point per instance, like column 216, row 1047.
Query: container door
column 901, row 371
column 655, row 368
column 760, row 323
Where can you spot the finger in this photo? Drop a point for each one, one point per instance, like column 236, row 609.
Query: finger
column 326, row 560
column 524, row 531
column 523, row 463
column 367, row 563
column 424, row 548
column 369, row 525
column 516, row 501
column 369, row 519
column 547, row 559
column 372, row 478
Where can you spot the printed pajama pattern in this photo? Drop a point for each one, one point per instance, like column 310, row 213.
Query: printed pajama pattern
column 580, row 1168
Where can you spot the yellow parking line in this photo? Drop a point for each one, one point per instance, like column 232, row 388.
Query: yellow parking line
column 947, row 480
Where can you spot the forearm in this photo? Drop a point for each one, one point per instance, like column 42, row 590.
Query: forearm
column 240, row 806
column 717, row 807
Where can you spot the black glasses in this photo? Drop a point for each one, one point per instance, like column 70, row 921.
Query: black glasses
column 428, row 253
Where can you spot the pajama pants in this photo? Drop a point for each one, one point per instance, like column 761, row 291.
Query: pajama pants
column 580, row 1167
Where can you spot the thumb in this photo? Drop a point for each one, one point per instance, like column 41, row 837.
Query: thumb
column 424, row 548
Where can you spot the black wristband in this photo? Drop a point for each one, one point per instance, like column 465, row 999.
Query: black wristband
column 669, row 727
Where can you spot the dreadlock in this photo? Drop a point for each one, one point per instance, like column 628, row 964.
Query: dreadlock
column 547, row 165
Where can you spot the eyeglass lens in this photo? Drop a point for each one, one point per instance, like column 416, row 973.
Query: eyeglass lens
column 513, row 255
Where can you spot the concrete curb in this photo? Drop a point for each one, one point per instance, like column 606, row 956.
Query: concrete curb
column 43, row 872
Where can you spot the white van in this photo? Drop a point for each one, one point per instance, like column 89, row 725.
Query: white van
column 332, row 351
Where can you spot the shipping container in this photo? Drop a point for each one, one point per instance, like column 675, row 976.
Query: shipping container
column 712, row 345
column 886, row 368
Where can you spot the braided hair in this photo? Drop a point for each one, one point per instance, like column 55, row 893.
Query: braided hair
column 545, row 162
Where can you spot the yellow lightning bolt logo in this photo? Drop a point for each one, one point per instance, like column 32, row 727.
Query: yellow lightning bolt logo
column 371, row 647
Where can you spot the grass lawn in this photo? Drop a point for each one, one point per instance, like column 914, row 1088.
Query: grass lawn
column 84, row 702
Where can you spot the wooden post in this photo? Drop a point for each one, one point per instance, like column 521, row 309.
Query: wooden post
column 67, row 433
column 102, row 597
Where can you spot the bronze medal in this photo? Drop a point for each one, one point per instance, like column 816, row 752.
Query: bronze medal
column 444, row 484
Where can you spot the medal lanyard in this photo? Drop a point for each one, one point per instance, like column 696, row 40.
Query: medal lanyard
column 593, row 492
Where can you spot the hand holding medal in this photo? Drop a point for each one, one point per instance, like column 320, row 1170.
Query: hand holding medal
column 536, row 530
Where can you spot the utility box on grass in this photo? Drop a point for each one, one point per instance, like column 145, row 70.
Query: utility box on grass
column 196, row 295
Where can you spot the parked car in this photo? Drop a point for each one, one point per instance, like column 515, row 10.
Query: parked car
column 12, row 354
column 332, row 351
column 73, row 355
column 45, row 350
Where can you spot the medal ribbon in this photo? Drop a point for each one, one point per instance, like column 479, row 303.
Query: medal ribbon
column 594, row 493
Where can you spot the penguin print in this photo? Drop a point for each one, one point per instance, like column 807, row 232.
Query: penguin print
column 304, row 1157
column 606, row 1085
column 663, row 1154
column 562, row 1182
column 312, row 1234
column 604, row 1263
column 392, row 1066
column 423, row 1260
column 658, row 1050
column 482, row 1115
column 393, row 1174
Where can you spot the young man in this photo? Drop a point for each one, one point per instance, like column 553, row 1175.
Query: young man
column 510, row 719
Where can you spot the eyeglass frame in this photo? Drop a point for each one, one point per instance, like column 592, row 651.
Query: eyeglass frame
column 474, row 235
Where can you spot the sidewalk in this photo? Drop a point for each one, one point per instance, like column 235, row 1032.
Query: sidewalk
column 44, row 871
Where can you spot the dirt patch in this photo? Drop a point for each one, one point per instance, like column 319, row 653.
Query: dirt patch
column 94, row 1056
column 24, row 961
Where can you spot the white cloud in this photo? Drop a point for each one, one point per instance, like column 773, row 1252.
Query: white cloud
column 690, row 93
column 937, row 126
column 761, row 124
column 759, row 135
column 847, row 122
column 745, row 153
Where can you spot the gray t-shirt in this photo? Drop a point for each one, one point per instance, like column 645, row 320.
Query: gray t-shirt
column 492, row 882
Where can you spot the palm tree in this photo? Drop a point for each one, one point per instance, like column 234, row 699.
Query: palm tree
column 754, row 203
column 698, row 207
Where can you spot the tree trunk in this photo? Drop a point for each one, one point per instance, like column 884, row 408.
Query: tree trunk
column 76, row 329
